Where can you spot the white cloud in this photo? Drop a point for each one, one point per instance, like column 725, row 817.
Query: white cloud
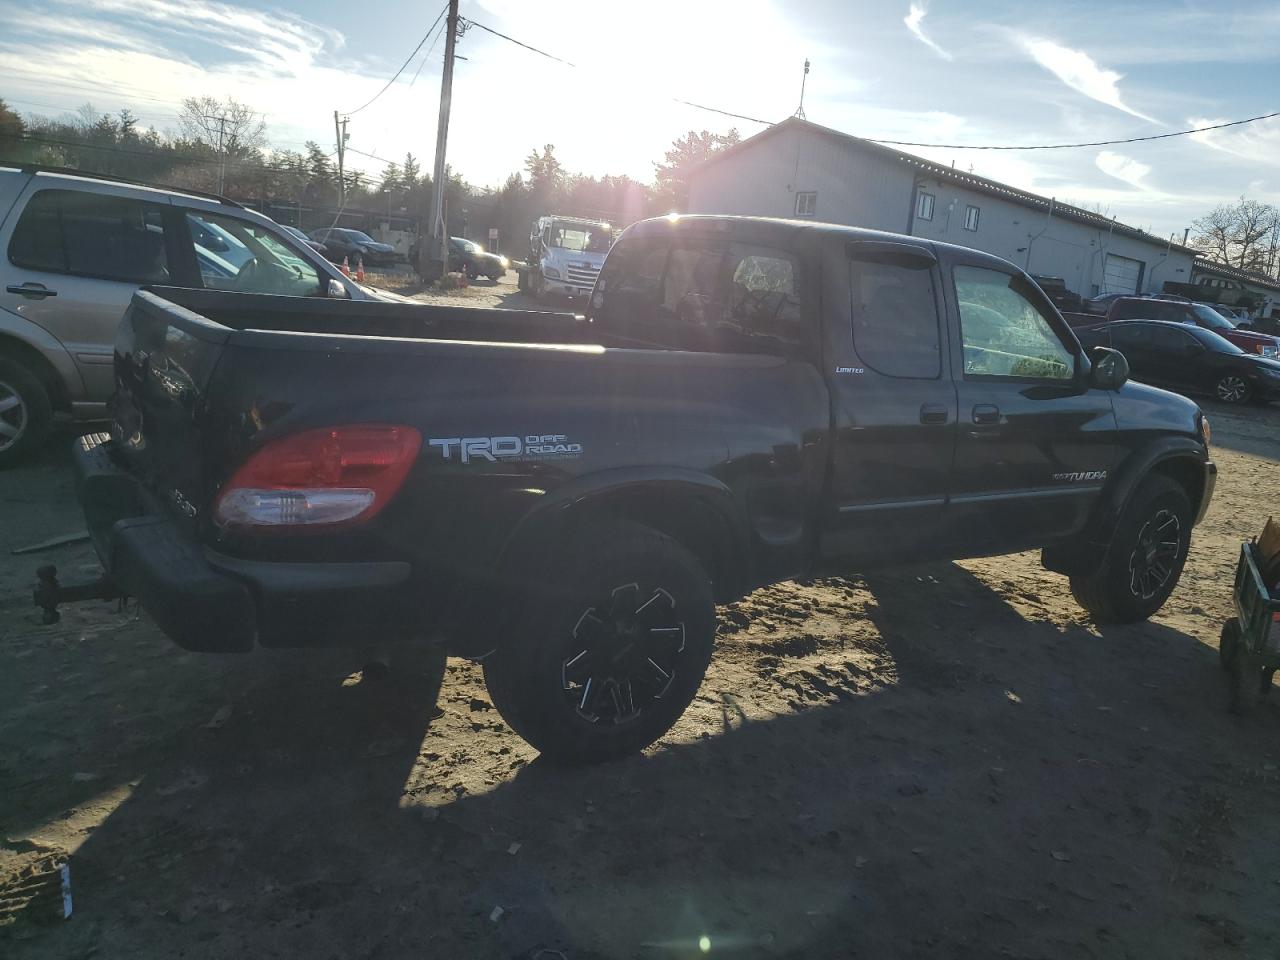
column 915, row 23
column 1080, row 72
column 1124, row 168
column 1257, row 142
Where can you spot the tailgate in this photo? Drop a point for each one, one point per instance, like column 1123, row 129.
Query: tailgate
column 164, row 357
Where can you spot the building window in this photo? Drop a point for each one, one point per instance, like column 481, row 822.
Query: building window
column 924, row 207
column 806, row 204
column 971, row 218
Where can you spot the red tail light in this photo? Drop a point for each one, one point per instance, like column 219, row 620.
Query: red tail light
column 327, row 476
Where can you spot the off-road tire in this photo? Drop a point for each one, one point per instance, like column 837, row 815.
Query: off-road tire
column 1229, row 642
column 527, row 674
column 33, row 418
column 1107, row 593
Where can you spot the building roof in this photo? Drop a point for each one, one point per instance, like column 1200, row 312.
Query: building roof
column 1216, row 269
column 942, row 172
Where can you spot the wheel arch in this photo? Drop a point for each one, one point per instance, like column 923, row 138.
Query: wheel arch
column 1181, row 459
column 34, row 360
column 693, row 509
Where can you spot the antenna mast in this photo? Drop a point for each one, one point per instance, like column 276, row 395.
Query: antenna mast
column 803, row 80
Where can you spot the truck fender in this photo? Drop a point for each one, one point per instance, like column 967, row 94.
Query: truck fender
column 694, row 509
column 1181, row 457
column 38, row 349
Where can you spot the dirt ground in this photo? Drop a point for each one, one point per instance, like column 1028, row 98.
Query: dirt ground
column 946, row 762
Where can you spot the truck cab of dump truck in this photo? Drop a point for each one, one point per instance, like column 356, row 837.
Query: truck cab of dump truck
column 565, row 256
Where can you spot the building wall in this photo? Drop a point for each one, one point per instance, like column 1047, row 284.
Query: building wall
column 860, row 188
column 1044, row 245
column 762, row 180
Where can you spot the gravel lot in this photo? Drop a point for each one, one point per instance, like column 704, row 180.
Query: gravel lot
column 946, row 761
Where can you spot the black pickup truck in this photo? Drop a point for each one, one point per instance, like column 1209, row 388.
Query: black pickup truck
column 567, row 498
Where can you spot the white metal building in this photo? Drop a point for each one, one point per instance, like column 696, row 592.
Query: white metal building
column 800, row 169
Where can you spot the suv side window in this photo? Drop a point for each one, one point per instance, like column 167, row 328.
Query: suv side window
column 1004, row 334
column 235, row 254
column 895, row 319
column 92, row 235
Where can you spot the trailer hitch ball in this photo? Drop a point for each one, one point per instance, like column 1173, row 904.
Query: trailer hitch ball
column 46, row 593
column 49, row 592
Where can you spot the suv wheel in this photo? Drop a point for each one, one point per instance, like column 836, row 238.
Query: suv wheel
column 611, row 648
column 1146, row 556
column 25, row 412
column 1232, row 388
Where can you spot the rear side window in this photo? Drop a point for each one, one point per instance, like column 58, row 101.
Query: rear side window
column 895, row 319
column 91, row 235
column 701, row 296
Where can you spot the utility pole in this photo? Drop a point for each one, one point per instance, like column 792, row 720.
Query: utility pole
column 437, row 256
column 222, row 154
column 340, row 134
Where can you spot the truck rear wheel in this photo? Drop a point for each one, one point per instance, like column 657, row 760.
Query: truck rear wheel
column 26, row 415
column 1145, row 559
column 609, row 648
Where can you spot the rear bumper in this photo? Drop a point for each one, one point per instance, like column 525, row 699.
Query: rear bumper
column 205, row 601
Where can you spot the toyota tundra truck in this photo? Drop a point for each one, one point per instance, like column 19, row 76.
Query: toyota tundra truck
column 567, row 499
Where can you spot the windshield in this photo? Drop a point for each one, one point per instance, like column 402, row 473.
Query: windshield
column 356, row 235
column 581, row 237
column 466, row 245
column 1211, row 318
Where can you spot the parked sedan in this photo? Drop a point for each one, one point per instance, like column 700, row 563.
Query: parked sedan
column 1187, row 359
column 303, row 238
column 340, row 242
column 1193, row 314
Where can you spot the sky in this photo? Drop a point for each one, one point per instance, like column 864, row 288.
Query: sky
column 933, row 71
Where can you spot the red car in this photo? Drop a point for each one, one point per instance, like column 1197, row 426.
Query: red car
column 1146, row 308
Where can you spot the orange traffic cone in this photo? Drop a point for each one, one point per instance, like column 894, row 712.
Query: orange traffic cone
column 346, row 267
column 360, row 269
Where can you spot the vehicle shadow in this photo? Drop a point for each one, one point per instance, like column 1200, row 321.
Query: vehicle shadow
column 1022, row 788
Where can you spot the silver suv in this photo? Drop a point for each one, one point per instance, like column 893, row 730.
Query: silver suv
column 76, row 248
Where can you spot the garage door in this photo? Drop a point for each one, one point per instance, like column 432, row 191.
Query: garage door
column 1121, row 275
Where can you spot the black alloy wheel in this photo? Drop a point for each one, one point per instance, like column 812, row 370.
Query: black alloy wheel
column 629, row 656
column 1154, row 557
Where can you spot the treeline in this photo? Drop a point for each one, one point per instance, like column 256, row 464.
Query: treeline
column 222, row 146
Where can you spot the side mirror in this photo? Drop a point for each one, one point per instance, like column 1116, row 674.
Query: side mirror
column 1110, row 368
column 338, row 290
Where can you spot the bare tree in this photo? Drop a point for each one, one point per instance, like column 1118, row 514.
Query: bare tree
column 1241, row 234
column 229, row 126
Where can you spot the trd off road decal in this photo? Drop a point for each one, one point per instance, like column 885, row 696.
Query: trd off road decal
column 541, row 446
column 1078, row 475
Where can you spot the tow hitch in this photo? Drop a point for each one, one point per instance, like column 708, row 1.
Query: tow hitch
column 49, row 592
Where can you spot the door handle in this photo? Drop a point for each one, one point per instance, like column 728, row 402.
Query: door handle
column 934, row 413
column 986, row 413
column 32, row 291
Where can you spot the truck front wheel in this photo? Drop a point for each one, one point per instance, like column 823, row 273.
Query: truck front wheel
column 608, row 648
column 1146, row 556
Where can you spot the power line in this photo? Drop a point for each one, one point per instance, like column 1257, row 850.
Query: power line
column 426, row 56
column 406, row 63
column 1071, row 146
column 552, row 56
column 519, row 43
